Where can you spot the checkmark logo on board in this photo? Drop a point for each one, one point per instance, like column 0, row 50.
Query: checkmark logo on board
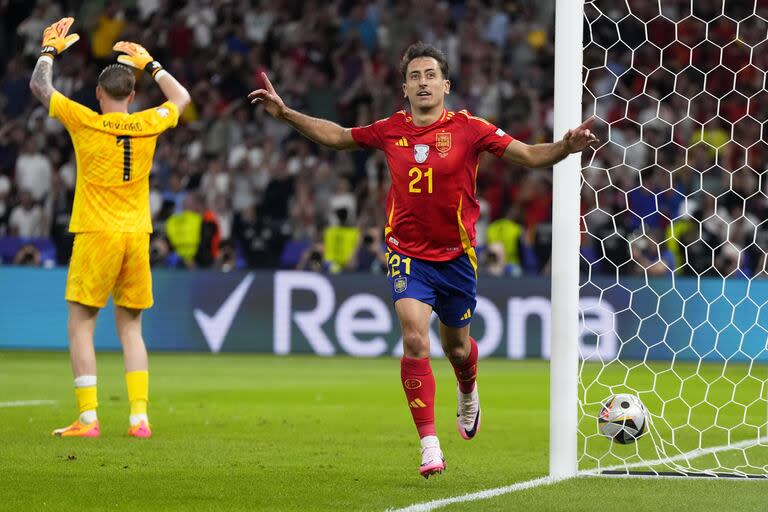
column 216, row 326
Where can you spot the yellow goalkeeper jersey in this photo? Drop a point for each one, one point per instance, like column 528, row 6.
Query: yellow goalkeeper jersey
column 114, row 154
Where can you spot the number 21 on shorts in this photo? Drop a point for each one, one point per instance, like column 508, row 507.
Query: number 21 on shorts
column 393, row 267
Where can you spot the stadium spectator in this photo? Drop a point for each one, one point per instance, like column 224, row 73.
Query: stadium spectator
column 59, row 211
column 494, row 261
column 5, row 189
column 340, row 241
column 30, row 29
column 649, row 257
column 252, row 236
column 312, row 259
column 184, row 230
column 28, row 255
column 34, row 171
column 342, row 200
column 26, row 219
column 107, row 28
column 369, row 255
column 508, row 233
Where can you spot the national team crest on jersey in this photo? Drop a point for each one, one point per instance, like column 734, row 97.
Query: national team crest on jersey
column 420, row 153
column 401, row 283
column 443, row 142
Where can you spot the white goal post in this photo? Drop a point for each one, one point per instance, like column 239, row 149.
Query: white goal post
column 563, row 408
column 663, row 226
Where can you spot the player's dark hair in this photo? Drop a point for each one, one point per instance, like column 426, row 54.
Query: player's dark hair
column 117, row 81
column 421, row 49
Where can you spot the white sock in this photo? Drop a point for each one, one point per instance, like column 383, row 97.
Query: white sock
column 135, row 419
column 429, row 441
column 88, row 417
column 85, row 381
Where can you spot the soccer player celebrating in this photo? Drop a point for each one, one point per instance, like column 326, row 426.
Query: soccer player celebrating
column 110, row 216
column 432, row 155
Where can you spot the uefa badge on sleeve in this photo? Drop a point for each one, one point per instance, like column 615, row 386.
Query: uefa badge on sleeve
column 401, row 283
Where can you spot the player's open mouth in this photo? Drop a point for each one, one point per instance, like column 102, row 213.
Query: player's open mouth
column 423, row 93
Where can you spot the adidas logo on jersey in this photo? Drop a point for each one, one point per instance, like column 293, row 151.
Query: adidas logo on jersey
column 403, row 142
column 416, row 404
column 467, row 315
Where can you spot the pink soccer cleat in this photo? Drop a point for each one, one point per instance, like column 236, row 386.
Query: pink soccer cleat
column 78, row 429
column 140, row 430
column 468, row 413
column 432, row 460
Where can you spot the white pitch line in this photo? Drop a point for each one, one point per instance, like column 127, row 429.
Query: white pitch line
column 481, row 495
column 538, row 482
column 25, row 403
column 693, row 454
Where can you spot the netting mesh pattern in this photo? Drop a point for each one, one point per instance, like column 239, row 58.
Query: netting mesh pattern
column 674, row 233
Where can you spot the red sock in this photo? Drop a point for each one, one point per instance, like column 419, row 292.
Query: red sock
column 419, row 386
column 466, row 371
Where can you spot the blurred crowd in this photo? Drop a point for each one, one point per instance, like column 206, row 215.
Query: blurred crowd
column 674, row 187
column 230, row 187
column 678, row 89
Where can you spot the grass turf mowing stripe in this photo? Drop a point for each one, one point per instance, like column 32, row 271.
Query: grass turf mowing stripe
column 26, row 403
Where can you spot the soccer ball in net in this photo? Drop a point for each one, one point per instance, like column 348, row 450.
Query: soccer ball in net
column 622, row 418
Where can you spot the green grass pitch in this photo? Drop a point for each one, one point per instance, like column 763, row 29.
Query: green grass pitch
column 245, row 432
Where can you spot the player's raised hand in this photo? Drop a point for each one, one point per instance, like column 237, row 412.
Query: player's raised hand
column 269, row 98
column 136, row 56
column 55, row 38
column 581, row 137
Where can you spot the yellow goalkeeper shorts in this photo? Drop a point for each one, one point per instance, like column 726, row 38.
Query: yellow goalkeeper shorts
column 105, row 263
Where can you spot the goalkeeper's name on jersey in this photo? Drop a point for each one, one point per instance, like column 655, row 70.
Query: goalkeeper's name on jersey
column 116, row 125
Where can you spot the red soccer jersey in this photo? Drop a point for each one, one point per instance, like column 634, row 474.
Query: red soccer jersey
column 431, row 205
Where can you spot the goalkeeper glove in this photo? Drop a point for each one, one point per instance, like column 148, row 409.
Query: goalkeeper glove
column 137, row 57
column 55, row 38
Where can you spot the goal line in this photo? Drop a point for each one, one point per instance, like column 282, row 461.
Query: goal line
column 625, row 470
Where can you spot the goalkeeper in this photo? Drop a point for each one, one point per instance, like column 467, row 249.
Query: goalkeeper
column 110, row 216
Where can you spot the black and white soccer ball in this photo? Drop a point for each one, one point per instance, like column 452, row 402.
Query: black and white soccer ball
column 622, row 418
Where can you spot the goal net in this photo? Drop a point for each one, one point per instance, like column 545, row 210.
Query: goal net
column 674, row 232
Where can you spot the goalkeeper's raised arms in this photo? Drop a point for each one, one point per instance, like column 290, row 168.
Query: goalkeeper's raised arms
column 136, row 56
column 55, row 38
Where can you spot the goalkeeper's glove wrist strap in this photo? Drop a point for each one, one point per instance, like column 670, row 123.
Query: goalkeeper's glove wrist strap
column 49, row 50
column 153, row 68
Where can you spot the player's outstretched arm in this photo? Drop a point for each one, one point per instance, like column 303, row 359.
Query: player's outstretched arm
column 136, row 56
column 55, row 41
column 321, row 131
column 545, row 155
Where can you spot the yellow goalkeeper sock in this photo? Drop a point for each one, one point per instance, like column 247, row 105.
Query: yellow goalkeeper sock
column 85, row 393
column 138, row 392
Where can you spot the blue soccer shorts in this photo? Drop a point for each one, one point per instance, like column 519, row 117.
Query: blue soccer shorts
column 450, row 287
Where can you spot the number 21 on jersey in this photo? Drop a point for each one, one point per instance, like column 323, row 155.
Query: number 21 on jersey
column 416, row 175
